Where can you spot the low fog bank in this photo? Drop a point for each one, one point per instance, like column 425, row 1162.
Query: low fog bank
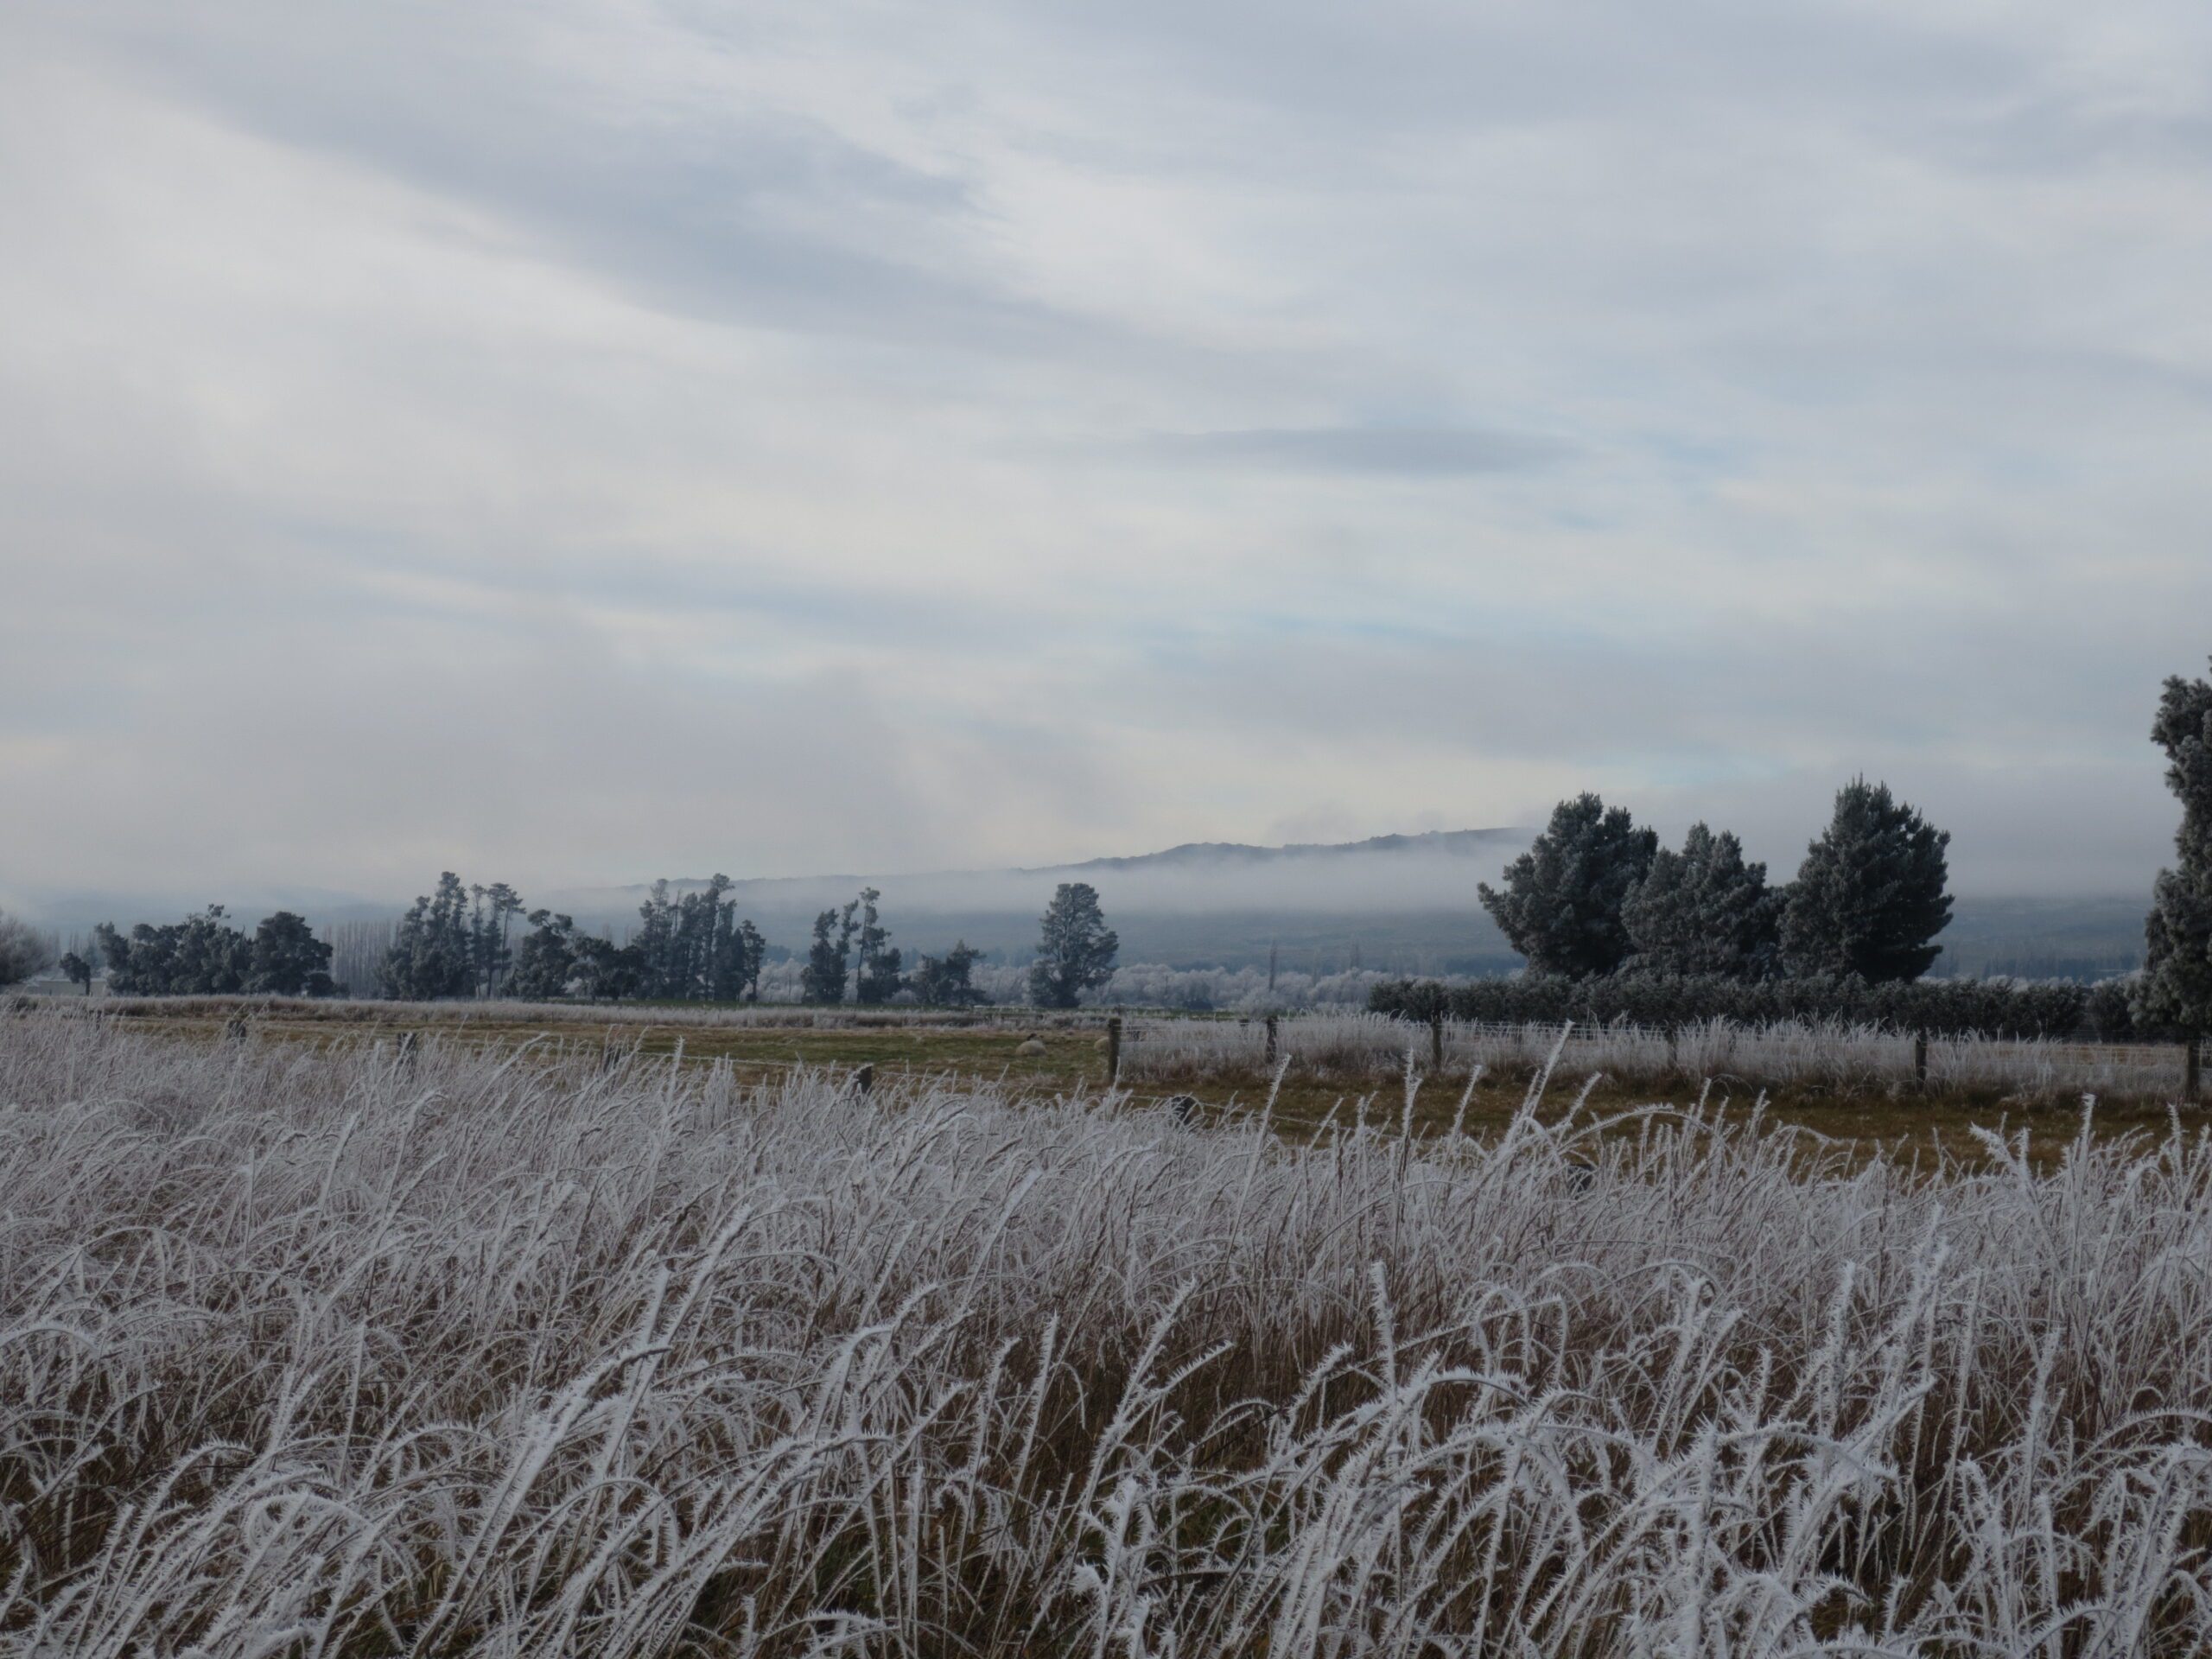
column 1395, row 904
column 1416, row 874
column 1403, row 904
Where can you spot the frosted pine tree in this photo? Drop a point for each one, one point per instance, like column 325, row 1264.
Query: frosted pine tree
column 1561, row 900
column 1704, row 911
column 2177, row 985
column 1870, row 895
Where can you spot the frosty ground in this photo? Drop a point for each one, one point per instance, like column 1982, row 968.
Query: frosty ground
column 360, row 1346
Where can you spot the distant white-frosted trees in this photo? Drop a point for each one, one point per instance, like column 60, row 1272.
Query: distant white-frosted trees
column 1870, row 898
column 1703, row 910
column 2176, row 990
column 1075, row 950
column 1561, row 902
column 23, row 949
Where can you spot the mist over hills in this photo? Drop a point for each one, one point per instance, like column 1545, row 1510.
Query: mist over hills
column 1401, row 902
column 1398, row 903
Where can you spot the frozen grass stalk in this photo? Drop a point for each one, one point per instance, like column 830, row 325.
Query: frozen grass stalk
column 315, row 1353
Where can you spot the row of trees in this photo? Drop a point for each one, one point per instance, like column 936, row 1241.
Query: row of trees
column 1075, row 952
column 1596, row 894
column 204, row 955
column 830, row 965
column 459, row 941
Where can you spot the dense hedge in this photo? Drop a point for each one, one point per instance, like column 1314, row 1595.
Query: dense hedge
column 1941, row 1007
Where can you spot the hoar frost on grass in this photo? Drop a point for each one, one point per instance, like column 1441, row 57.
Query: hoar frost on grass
column 359, row 1352
column 1829, row 1056
column 1790, row 1055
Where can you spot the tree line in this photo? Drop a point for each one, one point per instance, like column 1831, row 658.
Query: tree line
column 204, row 955
column 461, row 941
column 2106, row 1012
column 1615, row 925
column 1595, row 894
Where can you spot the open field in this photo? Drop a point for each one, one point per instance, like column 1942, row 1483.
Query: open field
column 1839, row 1082
column 331, row 1348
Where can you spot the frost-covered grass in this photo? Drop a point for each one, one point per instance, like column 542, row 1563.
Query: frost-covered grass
column 361, row 1351
column 379, row 1011
column 1828, row 1057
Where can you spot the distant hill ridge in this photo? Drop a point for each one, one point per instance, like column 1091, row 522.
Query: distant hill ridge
column 1452, row 843
column 1462, row 844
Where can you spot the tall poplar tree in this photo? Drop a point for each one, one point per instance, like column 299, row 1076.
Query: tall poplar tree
column 824, row 978
column 877, row 981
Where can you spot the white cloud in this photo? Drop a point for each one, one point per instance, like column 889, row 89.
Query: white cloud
column 588, row 440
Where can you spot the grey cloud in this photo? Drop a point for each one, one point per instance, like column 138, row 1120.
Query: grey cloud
column 729, row 213
column 1372, row 451
column 1408, row 65
column 1877, row 334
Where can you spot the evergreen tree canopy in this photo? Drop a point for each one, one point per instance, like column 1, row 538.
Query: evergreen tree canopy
column 695, row 949
column 1703, row 910
column 1561, row 902
column 1076, row 950
column 879, row 979
column 824, row 978
column 545, row 962
column 201, row 956
column 1870, row 895
column 289, row 960
column 605, row 969
column 944, row 981
column 2176, row 990
column 434, row 952
column 459, row 941
column 491, row 925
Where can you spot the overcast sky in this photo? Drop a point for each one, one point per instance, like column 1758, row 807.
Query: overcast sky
column 575, row 441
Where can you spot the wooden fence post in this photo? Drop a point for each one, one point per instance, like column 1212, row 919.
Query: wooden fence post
column 1436, row 1042
column 1273, row 1042
column 2191, row 1065
column 1113, row 1050
column 1920, row 1060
